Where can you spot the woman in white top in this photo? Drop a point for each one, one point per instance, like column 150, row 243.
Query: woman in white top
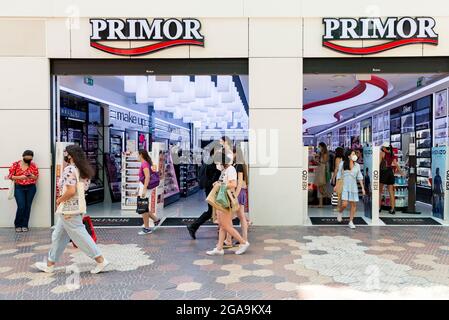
column 70, row 226
column 228, row 177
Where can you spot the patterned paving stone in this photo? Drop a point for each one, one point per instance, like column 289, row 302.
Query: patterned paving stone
column 416, row 244
column 263, row 262
column 203, row 262
column 145, row 295
column 24, row 255
column 189, row 286
column 7, row 251
column 272, row 248
column 286, row 286
column 262, row 273
column 375, row 260
column 231, row 267
column 227, row 279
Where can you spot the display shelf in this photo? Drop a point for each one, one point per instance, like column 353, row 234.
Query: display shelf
column 171, row 187
column 130, row 180
column 187, row 175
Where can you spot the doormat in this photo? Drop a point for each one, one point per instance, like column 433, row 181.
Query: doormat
column 410, row 221
column 117, row 222
column 184, row 221
column 331, row 221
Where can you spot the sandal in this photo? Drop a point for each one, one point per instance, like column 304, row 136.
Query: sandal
column 18, row 230
column 25, row 230
column 227, row 246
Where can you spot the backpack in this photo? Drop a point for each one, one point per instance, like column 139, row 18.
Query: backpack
column 202, row 176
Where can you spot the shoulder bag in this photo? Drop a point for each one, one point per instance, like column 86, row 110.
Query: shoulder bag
column 12, row 184
column 76, row 204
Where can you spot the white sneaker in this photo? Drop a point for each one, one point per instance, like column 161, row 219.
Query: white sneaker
column 215, row 252
column 242, row 248
column 42, row 266
column 100, row 267
column 145, row 231
column 351, row 225
column 339, row 217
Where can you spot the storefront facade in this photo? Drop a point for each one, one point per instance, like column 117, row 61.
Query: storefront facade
column 275, row 39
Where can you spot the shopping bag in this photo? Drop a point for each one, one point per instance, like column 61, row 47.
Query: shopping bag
column 222, row 196
column 211, row 198
column 334, row 199
column 233, row 201
column 143, row 205
column 87, row 221
column 11, row 189
column 76, row 204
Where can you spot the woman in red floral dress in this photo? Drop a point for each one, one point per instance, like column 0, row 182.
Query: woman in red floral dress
column 24, row 173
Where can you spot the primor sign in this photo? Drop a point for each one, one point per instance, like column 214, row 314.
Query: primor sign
column 395, row 31
column 165, row 32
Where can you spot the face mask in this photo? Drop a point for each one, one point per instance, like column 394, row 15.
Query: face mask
column 319, row 149
column 354, row 158
column 27, row 161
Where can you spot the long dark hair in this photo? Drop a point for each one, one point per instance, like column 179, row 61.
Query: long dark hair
column 339, row 152
column 238, row 159
column 324, row 150
column 144, row 154
column 80, row 160
column 346, row 160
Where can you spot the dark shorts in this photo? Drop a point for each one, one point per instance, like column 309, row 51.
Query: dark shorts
column 387, row 176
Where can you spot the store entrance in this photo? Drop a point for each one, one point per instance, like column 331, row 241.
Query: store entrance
column 174, row 116
column 393, row 122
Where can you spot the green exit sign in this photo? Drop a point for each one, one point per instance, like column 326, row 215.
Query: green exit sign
column 89, row 81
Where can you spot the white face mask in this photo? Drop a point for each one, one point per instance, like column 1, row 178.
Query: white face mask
column 354, row 158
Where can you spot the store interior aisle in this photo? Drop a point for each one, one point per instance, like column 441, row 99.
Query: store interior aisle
column 192, row 206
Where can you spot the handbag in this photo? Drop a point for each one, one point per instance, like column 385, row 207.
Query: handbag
column 143, row 205
column 233, row 201
column 12, row 186
column 154, row 179
column 334, row 199
column 222, row 197
column 76, row 204
column 11, row 189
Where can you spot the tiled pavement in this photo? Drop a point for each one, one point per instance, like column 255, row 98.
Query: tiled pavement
column 282, row 263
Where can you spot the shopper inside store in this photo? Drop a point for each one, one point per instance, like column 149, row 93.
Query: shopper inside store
column 399, row 144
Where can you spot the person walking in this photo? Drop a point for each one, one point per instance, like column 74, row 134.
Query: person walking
column 229, row 178
column 25, row 174
column 388, row 166
column 349, row 171
column 339, row 154
column 144, row 192
column 242, row 183
column 211, row 175
column 70, row 226
column 321, row 180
